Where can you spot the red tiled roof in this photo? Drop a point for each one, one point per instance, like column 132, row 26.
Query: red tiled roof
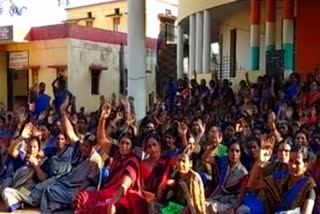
column 67, row 30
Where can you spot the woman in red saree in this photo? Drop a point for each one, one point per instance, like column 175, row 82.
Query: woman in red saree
column 122, row 192
column 155, row 170
column 311, row 97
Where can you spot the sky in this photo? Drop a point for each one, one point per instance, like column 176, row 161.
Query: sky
column 42, row 12
column 39, row 12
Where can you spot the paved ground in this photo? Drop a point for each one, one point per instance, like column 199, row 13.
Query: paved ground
column 27, row 210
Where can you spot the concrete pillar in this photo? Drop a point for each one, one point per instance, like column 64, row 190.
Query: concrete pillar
column 270, row 41
column 180, row 48
column 206, row 42
column 255, row 36
column 288, row 35
column 137, row 56
column 199, row 42
column 192, row 44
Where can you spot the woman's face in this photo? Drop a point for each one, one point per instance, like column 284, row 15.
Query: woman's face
column 86, row 148
column 169, row 141
column 230, row 132
column 253, row 149
column 33, row 148
column 301, row 139
column 81, row 126
column 163, row 117
column 314, row 86
column 74, row 119
column 125, row 146
column 284, row 153
column 152, row 148
column 60, row 141
column 56, row 128
column 195, row 127
column 281, row 95
column 234, row 153
column 183, row 164
column 297, row 166
column 191, row 142
column 44, row 132
column 214, row 136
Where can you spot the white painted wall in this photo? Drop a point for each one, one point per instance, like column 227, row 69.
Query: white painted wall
column 241, row 21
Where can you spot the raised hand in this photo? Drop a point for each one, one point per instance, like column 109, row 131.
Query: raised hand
column 36, row 132
column 266, row 149
column 202, row 126
column 27, row 131
column 106, row 110
column 123, row 101
column 271, row 117
column 182, row 129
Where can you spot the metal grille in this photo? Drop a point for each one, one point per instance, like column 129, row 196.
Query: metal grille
column 224, row 68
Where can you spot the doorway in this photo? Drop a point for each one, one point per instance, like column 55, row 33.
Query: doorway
column 20, row 86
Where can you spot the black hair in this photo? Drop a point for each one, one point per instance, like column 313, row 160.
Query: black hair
column 173, row 131
column 145, row 121
column 234, row 141
column 3, row 119
column 130, row 136
column 304, row 133
column 149, row 135
column 35, row 139
column 306, row 154
column 92, row 139
column 255, row 139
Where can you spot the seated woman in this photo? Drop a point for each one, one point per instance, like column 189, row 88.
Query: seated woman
column 285, row 190
column 184, row 191
column 27, row 165
column 227, row 195
column 169, row 143
column 122, row 192
column 155, row 169
column 251, row 152
column 57, row 193
column 315, row 173
column 281, row 162
column 58, row 163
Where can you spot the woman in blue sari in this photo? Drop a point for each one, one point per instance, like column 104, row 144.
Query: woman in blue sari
column 285, row 190
column 57, row 164
column 232, row 180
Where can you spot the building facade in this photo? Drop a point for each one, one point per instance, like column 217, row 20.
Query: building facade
column 112, row 15
column 258, row 36
column 93, row 60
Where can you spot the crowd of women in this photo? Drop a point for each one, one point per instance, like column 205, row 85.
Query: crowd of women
column 201, row 149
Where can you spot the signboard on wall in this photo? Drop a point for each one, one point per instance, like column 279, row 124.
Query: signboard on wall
column 18, row 60
column 6, row 33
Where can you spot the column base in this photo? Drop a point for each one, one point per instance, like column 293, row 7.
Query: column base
column 254, row 58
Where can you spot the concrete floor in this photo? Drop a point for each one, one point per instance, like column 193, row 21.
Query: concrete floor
column 28, row 210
